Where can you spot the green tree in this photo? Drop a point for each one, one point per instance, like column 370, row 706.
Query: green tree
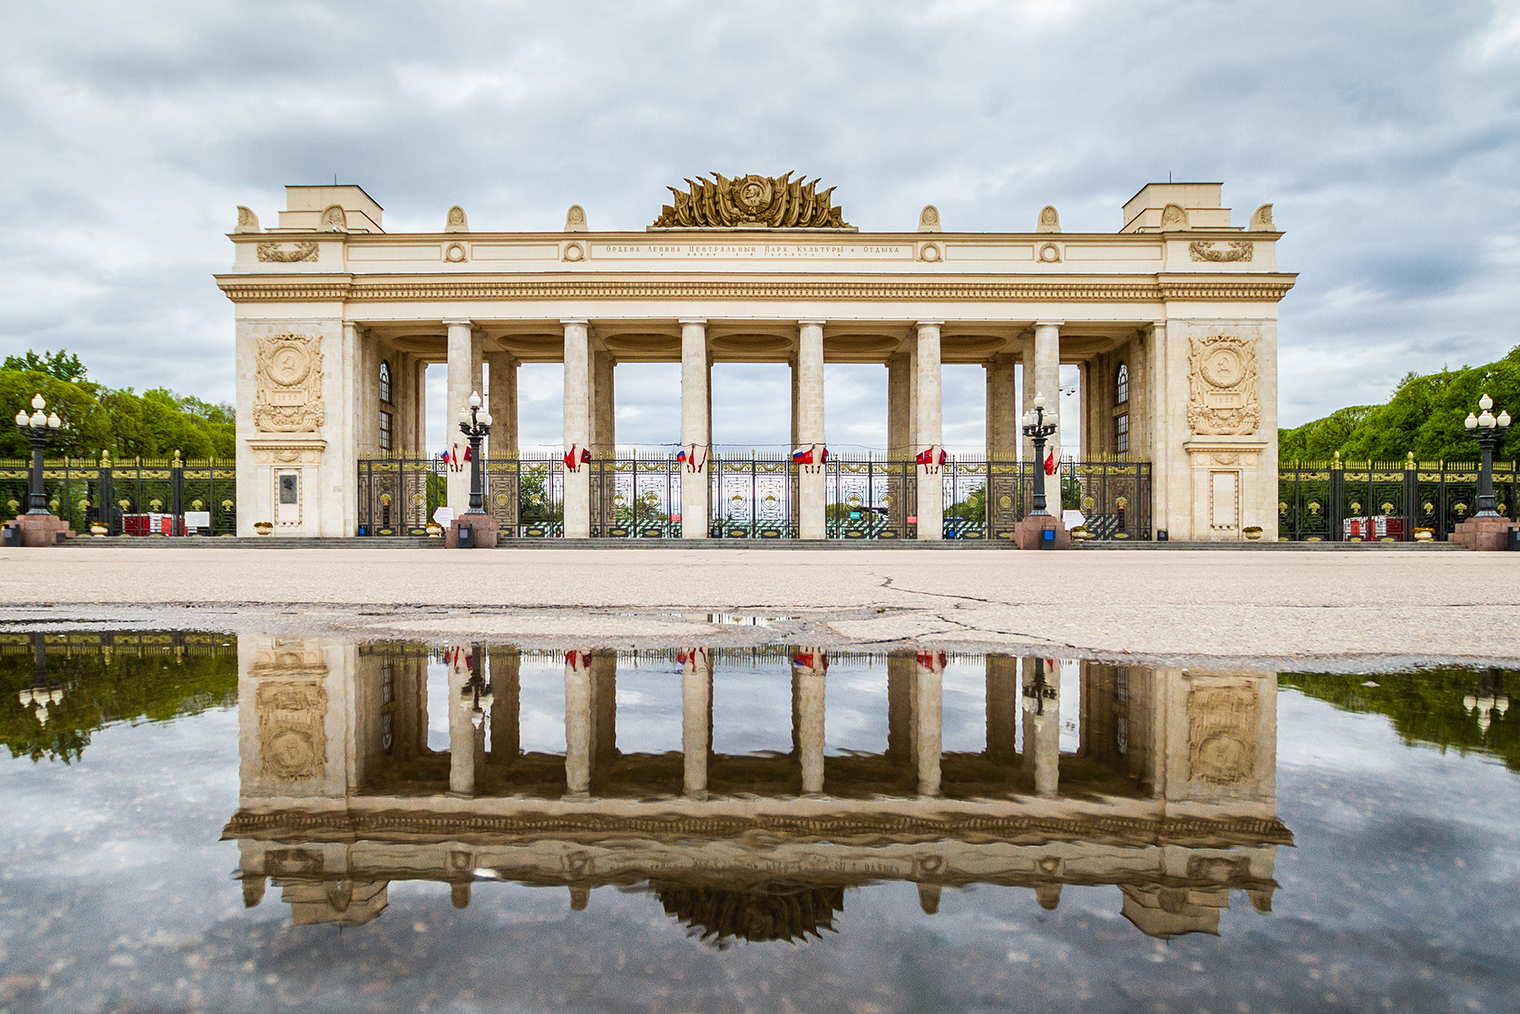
column 61, row 364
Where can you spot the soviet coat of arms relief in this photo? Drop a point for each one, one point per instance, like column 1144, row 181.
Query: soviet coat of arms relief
column 1222, row 386
column 288, row 396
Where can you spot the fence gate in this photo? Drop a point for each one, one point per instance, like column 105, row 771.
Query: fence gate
column 1113, row 496
column 752, row 497
column 1338, row 501
column 636, row 497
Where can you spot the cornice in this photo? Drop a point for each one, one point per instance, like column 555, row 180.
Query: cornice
column 285, row 288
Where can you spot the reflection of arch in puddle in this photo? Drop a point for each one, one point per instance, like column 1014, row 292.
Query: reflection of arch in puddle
column 1169, row 794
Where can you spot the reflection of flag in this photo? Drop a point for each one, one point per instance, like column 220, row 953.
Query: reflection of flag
column 803, row 456
column 808, row 660
column 1050, row 463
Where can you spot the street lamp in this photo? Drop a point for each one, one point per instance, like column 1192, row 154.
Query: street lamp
column 37, row 428
column 475, row 424
column 475, row 695
column 1037, row 692
column 1487, row 431
column 1038, row 426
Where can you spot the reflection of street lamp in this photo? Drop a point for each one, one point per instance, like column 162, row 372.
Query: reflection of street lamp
column 1038, row 425
column 475, row 696
column 40, row 693
column 475, row 424
column 37, row 428
column 1037, row 692
column 1484, row 700
column 1487, row 431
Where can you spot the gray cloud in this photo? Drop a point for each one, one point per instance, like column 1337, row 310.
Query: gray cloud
column 1384, row 134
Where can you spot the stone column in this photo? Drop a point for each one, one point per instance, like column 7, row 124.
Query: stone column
column 808, row 667
column 696, row 428
column 603, row 707
column 1042, row 730
column 810, row 487
column 928, row 433
column 1047, row 381
column 1002, row 409
column 900, row 407
column 419, row 410
column 501, row 402
column 461, row 731
column 1158, row 446
column 603, row 439
column 464, row 380
column 696, row 720
column 1003, row 706
column 926, row 720
column 577, row 427
column 506, row 692
column 792, row 363
column 1088, row 436
column 1026, row 392
column 577, row 723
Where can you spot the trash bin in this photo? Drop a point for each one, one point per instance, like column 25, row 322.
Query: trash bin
column 1514, row 540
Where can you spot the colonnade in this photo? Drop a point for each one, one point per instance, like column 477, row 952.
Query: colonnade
column 914, row 411
column 914, row 693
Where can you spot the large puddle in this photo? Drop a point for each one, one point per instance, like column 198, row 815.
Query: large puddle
column 200, row 822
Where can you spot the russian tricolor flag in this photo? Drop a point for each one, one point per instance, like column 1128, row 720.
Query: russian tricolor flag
column 803, row 456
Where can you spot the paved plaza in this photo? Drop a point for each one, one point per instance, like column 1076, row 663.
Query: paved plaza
column 1398, row 606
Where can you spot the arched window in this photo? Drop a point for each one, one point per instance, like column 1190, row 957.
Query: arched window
column 385, row 381
column 1121, row 385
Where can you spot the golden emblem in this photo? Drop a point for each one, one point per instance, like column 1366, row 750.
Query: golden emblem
column 760, row 202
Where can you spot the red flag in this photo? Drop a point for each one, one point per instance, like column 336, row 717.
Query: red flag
column 1050, row 463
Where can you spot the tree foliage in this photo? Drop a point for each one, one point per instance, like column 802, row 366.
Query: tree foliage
column 1424, row 416
column 153, row 424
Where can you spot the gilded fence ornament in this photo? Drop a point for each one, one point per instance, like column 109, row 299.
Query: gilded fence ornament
column 288, row 398
column 767, row 202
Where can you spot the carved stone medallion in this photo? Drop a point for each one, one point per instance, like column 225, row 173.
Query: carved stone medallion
column 292, row 713
column 1222, row 386
column 288, row 398
column 1222, row 734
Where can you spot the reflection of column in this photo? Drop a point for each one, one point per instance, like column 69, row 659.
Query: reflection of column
column 577, row 723
column 464, row 380
column 461, row 730
column 696, row 425
column 696, row 716
column 1042, row 726
column 506, row 741
column 901, row 674
column 808, row 667
column 603, row 707
column 926, row 719
column 1002, row 708
column 577, row 427
column 810, row 506
column 928, row 434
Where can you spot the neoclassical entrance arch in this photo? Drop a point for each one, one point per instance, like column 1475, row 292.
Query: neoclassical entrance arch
column 1172, row 321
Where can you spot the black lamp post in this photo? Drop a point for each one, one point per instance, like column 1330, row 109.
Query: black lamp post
column 1038, row 426
column 37, row 428
column 1487, row 431
column 475, row 695
column 475, row 424
column 1037, row 692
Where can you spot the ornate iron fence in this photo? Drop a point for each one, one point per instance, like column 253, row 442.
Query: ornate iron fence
column 398, row 496
column 115, row 494
column 1113, row 496
column 753, row 497
column 870, row 498
column 1339, row 501
column 636, row 497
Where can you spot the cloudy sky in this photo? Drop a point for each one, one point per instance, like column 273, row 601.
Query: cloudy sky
column 1384, row 134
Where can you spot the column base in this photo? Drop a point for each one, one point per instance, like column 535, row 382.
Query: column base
column 1484, row 534
column 483, row 530
column 1030, row 533
column 38, row 530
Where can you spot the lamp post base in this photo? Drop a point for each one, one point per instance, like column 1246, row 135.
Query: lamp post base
column 1484, row 533
column 481, row 528
column 39, row 530
column 1031, row 533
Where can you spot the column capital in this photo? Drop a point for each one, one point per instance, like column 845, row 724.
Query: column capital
column 811, row 323
column 572, row 321
column 695, row 321
column 929, row 323
column 458, row 322
column 1050, row 323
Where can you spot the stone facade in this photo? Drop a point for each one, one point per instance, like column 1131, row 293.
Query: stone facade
column 1182, row 300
